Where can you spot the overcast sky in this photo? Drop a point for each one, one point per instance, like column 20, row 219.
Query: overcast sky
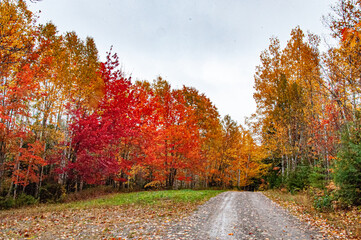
column 212, row 45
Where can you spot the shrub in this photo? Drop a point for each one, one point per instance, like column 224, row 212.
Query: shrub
column 347, row 173
column 52, row 193
column 20, row 201
column 6, row 203
column 274, row 179
column 89, row 193
column 323, row 203
column 317, row 177
column 24, row 200
column 298, row 179
column 154, row 185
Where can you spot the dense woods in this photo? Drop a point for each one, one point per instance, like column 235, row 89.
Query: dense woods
column 69, row 121
column 308, row 114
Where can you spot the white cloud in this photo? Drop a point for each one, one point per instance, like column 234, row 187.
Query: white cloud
column 212, row 45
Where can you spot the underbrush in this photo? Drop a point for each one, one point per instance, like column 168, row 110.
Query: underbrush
column 320, row 210
column 89, row 193
column 52, row 194
column 21, row 201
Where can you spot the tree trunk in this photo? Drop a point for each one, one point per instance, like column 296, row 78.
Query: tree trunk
column 81, row 185
column 2, row 160
column 38, row 186
column 17, row 167
column 171, row 178
column 238, row 178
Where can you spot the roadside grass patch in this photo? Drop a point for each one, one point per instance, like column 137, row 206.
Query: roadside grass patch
column 170, row 199
column 103, row 216
column 150, row 198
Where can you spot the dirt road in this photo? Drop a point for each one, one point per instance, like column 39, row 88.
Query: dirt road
column 241, row 215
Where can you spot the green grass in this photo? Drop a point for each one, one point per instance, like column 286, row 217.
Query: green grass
column 155, row 199
column 149, row 198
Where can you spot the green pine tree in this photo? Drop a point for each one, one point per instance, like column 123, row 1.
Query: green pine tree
column 347, row 173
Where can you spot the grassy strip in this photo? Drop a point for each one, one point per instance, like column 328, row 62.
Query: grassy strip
column 337, row 223
column 138, row 215
column 150, row 198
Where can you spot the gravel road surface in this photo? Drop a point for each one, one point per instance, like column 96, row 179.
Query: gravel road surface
column 241, row 215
